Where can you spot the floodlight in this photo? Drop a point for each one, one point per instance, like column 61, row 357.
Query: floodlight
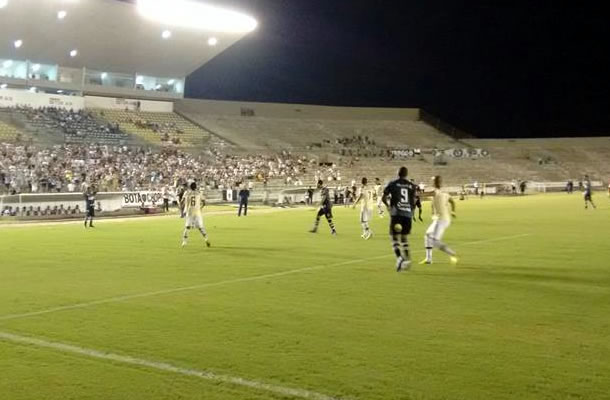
column 195, row 15
column 18, row 43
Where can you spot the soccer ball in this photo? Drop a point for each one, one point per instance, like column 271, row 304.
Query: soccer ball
column 397, row 228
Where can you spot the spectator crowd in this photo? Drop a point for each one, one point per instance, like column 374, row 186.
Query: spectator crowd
column 64, row 168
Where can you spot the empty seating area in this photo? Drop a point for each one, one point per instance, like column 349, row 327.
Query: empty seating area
column 157, row 128
column 259, row 133
column 9, row 133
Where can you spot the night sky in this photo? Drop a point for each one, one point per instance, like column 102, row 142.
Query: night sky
column 494, row 68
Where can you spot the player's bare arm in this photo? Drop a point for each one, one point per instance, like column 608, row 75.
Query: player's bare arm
column 384, row 200
column 452, row 204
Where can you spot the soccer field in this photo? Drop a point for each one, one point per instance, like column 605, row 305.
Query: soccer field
column 271, row 311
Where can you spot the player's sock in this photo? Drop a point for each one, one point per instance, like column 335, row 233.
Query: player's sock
column 185, row 236
column 405, row 247
column 429, row 244
column 396, row 247
column 331, row 224
column 365, row 229
column 428, row 253
column 316, row 224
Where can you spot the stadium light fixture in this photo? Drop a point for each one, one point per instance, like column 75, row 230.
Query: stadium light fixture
column 166, row 34
column 212, row 41
column 18, row 43
column 104, row 75
column 73, row 53
column 3, row 86
column 171, row 81
column 195, row 15
column 62, row 14
column 7, row 63
column 3, row 3
column 35, row 67
column 139, row 80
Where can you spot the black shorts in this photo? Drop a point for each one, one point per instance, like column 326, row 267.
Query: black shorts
column 326, row 211
column 587, row 196
column 405, row 222
column 90, row 211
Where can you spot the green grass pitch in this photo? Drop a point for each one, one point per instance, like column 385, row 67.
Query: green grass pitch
column 524, row 315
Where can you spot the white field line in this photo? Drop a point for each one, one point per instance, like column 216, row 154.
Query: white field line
column 166, row 367
column 180, row 289
column 161, row 366
column 118, row 299
column 140, row 218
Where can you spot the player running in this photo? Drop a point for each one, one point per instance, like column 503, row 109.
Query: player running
column 441, row 219
column 365, row 197
column 326, row 209
column 588, row 193
column 399, row 198
column 377, row 195
column 192, row 203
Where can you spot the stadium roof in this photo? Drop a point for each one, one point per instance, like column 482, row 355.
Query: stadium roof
column 155, row 37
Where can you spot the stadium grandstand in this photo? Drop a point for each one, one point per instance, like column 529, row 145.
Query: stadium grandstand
column 94, row 122
column 78, row 92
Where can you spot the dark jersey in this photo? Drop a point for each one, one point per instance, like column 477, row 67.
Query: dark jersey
column 244, row 194
column 402, row 197
column 588, row 187
column 325, row 202
column 417, row 200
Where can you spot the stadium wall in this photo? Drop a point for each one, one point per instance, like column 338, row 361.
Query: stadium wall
column 14, row 98
column 113, row 103
column 276, row 110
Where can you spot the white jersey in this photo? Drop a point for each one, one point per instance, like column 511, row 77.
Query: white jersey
column 440, row 206
column 366, row 198
column 193, row 202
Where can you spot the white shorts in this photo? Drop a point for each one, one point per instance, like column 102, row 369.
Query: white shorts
column 365, row 215
column 437, row 228
column 195, row 221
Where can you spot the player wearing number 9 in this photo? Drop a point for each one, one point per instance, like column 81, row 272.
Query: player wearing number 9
column 399, row 198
